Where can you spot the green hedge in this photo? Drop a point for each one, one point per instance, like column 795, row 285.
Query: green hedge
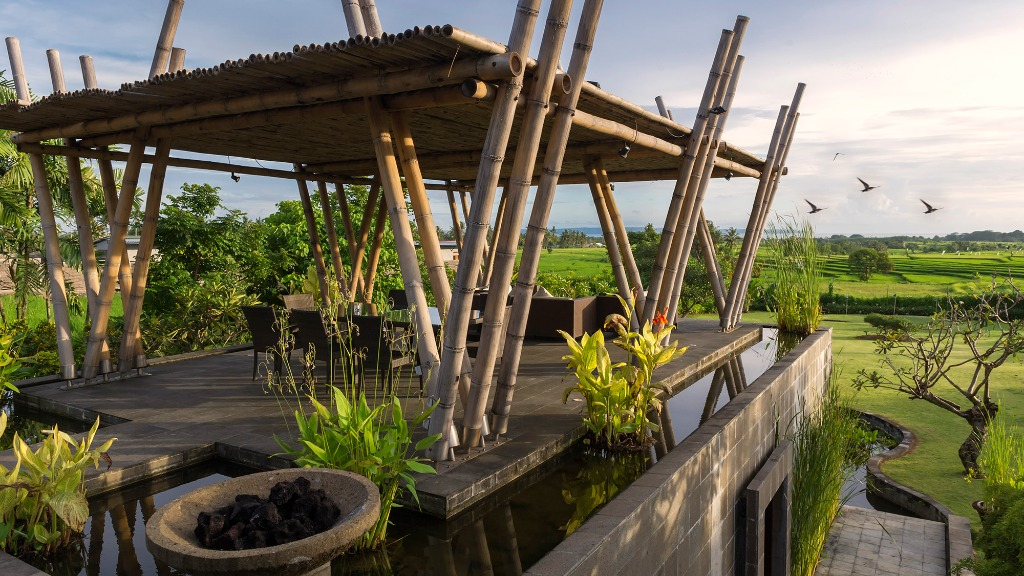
column 901, row 305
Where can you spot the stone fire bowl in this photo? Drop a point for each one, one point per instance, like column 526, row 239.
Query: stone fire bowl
column 170, row 537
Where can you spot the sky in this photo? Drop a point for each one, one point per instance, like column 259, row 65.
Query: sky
column 924, row 99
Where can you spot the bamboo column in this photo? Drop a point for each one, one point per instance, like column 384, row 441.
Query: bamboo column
column 80, row 207
column 166, row 40
column 676, row 205
column 394, row 195
column 707, row 246
column 314, row 237
column 115, row 249
column 133, row 309
column 177, row 61
column 332, row 239
column 611, row 241
column 374, row 257
column 495, row 144
column 369, row 209
column 625, row 250
column 456, row 224
column 498, row 223
column 18, row 72
column 371, row 20
column 729, row 81
column 353, row 18
column 346, row 220
column 506, row 240
column 561, row 125
column 88, row 72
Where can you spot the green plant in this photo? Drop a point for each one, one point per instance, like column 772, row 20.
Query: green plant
column 619, row 396
column 372, row 441
column 42, row 503
column 823, row 441
column 888, row 326
column 8, row 362
column 793, row 256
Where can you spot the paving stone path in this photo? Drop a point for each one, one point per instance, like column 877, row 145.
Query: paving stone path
column 871, row 543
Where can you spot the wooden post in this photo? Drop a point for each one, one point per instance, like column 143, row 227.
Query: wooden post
column 456, row 224
column 371, row 20
column 561, row 125
column 115, row 249
column 495, row 143
column 391, row 187
column 620, row 233
column 88, row 72
column 18, row 72
column 354, row 18
column 133, row 309
column 332, row 239
column 359, row 285
column 498, row 222
column 506, row 240
column 177, row 62
column 166, row 40
column 314, row 237
column 374, row 257
column 80, row 207
column 611, row 242
column 678, row 202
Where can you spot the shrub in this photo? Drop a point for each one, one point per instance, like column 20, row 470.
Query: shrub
column 889, row 326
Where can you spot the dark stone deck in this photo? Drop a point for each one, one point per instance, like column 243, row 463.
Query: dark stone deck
column 207, row 406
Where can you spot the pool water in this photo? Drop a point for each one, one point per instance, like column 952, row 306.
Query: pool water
column 30, row 423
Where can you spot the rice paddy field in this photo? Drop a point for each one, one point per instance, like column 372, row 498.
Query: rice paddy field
column 924, row 274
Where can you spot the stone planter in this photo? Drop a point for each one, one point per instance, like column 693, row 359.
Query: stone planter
column 170, row 537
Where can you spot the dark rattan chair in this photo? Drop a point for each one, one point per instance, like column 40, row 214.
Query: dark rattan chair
column 310, row 330
column 385, row 346
column 266, row 333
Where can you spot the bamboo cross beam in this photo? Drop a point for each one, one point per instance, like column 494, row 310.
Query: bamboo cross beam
column 332, row 239
column 115, row 249
column 314, row 236
column 625, row 250
column 677, row 203
column 506, row 240
column 18, row 72
column 501, row 405
column 494, row 147
column 498, row 67
column 128, row 355
column 364, row 230
column 166, row 39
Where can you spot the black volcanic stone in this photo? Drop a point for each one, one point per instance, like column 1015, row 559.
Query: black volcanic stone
column 292, row 512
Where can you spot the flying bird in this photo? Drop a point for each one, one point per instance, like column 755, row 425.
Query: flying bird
column 836, row 156
column 814, row 209
column 929, row 207
column 867, row 186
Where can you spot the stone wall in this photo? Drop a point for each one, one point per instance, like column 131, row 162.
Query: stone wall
column 684, row 516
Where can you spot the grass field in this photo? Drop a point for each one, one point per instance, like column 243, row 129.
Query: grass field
column 37, row 310
column 578, row 261
column 929, row 274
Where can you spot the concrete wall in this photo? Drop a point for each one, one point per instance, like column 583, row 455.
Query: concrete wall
column 683, row 516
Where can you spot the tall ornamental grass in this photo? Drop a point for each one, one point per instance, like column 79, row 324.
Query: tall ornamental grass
column 793, row 256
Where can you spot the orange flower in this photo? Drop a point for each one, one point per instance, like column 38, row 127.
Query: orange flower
column 660, row 319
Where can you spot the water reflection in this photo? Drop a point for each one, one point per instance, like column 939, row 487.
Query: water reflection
column 31, row 423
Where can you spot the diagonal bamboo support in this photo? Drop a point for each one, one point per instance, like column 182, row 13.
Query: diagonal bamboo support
column 506, row 240
column 611, row 241
column 625, row 250
column 314, row 237
column 372, row 260
column 353, row 18
column 499, row 218
column 501, row 406
column 495, row 144
column 707, row 246
column 359, row 291
column 370, row 18
column 166, row 39
column 332, row 239
column 350, row 235
column 124, row 272
column 456, row 224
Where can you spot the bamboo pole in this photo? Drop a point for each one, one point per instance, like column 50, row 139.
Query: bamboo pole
column 124, row 272
column 353, row 18
column 350, row 235
column 332, row 240
column 707, row 246
column 699, row 180
column 465, row 204
column 166, row 39
column 494, row 147
column 456, row 224
column 80, row 208
column 485, row 278
column 364, row 231
column 55, row 268
column 177, row 62
column 133, row 309
column 314, row 237
column 88, row 72
column 611, row 241
column 497, row 67
column 115, row 249
column 393, row 194
column 374, row 257
column 561, row 126
column 21, row 90
column 677, row 203
column 625, row 249
column 370, row 18
column 711, row 403
column 506, row 240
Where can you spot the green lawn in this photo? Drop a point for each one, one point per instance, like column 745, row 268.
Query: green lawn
column 37, row 310
column 578, row 261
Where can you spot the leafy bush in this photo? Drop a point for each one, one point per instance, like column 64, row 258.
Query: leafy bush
column 43, row 506
column 889, row 326
column 198, row 315
column 8, row 362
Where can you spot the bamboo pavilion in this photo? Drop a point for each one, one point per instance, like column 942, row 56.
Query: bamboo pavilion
column 433, row 109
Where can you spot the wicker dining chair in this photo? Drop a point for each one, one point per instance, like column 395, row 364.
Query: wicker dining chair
column 266, row 332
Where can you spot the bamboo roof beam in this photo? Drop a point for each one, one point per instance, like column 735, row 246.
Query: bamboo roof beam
column 332, row 239
column 506, row 240
column 314, row 236
column 501, row 405
column 497, row 67
column 128, row 355
column 494, row 146
column 166, row 38
column 115, row 249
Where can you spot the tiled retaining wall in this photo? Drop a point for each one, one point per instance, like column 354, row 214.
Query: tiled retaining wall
column 684, row 515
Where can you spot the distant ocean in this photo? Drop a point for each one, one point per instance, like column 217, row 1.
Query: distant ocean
column 596, row 230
